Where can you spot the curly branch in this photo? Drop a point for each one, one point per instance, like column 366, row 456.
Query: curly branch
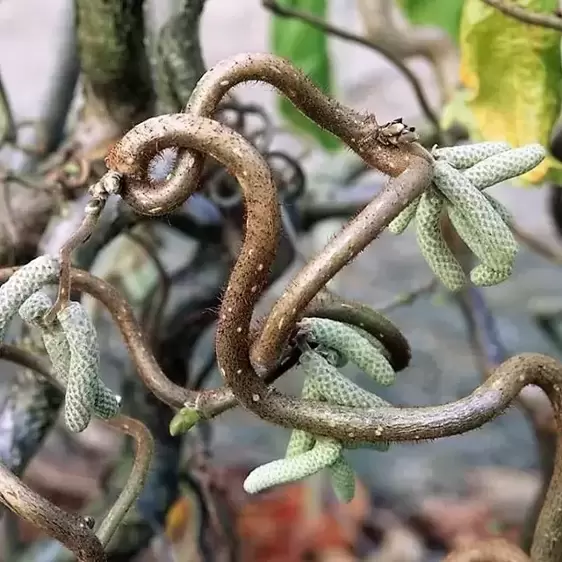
column 211, row 403
column 399, row 424
column 72, row 530
column 359, row 131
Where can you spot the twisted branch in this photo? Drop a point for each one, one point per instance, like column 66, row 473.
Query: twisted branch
column 73, row 531
column 358, row 130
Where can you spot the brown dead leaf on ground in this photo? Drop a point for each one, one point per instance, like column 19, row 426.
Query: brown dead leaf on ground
column 479, row 551
column 509, row 493
column 276, row 526
column 399, row 542
column 456, row 522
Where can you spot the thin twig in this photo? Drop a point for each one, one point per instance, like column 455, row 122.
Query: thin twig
column 132, row 155
column 93, row 211
column 144, row 448
column 411, row 296
column 327, row 27
column 64, row 530
column 511, row 9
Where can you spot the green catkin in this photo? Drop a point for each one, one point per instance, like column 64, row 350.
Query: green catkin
column 399, row 224
column 505, row 166
column 482, row 276
column 370, row 338
column 330, row 385
column 22, row 284
column 489, row 272
column 467, row 155
column 500, row 208
column 324, row 453
column 351, row 345
column 343, row 480
column 71, row 343
column 301, row 441
column 494, row 233
column 306, row 453
column 483, row 165
column 433, row 247
column 333, row 387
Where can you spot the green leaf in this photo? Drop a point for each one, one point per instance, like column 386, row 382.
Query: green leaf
column 513, row 75
column 183, row 421
column 445, row 14
column 307, row 48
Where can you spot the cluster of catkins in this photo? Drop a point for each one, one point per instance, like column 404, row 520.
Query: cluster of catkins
column 460, row 174
column 334, row 343
column 70, row 341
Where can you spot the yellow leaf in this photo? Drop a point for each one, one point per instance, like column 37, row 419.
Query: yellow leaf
column 179, row 519
column 457, row 111
column 512, row 72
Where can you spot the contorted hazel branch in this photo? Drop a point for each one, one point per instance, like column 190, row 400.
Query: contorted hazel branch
column 380, row 424
column 388, row 148
column 413, row 173
column 210, row 403
column 360, row 131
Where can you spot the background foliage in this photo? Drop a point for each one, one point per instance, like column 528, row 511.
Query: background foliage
column 510, row 73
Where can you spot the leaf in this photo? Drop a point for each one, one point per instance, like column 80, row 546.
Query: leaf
column 512, row 72
column 307, row 48
column 445, row 14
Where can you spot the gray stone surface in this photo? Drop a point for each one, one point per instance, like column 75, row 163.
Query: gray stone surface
column 442, row 368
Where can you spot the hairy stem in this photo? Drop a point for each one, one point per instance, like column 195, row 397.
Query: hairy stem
column 341, row 250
